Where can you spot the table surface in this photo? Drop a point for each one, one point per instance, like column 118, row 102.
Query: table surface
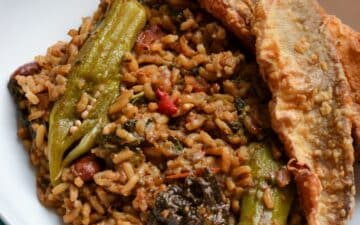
column 346, row 10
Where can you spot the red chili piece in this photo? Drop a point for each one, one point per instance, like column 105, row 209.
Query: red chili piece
column 147, row 37
column 166, row 105
column 86, row 167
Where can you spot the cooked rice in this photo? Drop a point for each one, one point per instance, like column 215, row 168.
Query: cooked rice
column 195, row 62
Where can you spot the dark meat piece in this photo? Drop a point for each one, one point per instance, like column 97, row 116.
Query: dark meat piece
column 198, row 201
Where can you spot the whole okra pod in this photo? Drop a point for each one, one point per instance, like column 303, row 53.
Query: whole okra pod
column 96, row 72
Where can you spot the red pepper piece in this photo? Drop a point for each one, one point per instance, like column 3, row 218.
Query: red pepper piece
column 166, row 105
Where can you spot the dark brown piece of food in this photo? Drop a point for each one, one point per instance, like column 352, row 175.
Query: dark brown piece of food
column 311, row 105
column 86, row 167
column 198, row 201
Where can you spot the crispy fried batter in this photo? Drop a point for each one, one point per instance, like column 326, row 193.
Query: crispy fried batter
column 236, row 15
column 348, row 47
column 311, row 105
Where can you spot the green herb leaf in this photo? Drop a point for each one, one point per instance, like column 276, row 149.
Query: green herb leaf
column 130, row 125
column 178, row 147
column 138, row 99
column 239, row 105
column 235, row 126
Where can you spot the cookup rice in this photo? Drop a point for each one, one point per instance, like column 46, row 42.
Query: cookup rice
column 190, row 102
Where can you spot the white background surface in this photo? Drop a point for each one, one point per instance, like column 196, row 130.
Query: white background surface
column 28, row 27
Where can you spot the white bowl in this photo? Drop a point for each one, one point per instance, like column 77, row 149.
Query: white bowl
column 28, row 28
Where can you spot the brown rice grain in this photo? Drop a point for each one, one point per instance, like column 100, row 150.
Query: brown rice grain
column 188, row 24
column 83, row 103
column 71, row 215
column 40, row 135
column 129, row 170
column 73, row 192
column 94, row 202
column 170, row 38
column 78, row 182
column 207, row 139
column 128, row 187
column 235, row 205
column 120, row 102
column 149, row 92
column 60, row 188
column 226, row 159
column 36, row 114
column 245, row 182
column 241, row 171
column 85, row 212
column 122, row 156
column 230, row 185
column 109, row 128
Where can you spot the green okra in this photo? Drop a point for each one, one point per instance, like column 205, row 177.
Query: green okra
column 96, row 71
column 253, row 209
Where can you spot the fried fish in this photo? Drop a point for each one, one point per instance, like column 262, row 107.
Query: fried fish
column 236, row 15
column 311, row 107
column 348, row 47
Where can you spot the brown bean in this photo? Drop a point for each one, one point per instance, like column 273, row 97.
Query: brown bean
column 27, row 69
column 86, row 167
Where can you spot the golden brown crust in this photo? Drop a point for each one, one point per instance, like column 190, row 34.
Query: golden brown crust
column 236, row 15
column 348, row 47
column 311, row 105
column 309, row 187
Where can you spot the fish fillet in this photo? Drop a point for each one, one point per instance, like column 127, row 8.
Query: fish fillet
column 311, row 107
column 348, row 47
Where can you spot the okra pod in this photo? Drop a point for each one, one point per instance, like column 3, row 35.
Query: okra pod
column 96, row 71
column 253, row 208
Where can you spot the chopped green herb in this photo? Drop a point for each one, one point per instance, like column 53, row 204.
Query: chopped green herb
column 149, row 121
column 138, row 99
column 235, row 126
column 171, row 66
column 112, row 139
column 130, row 125
column 176, row 13
column 178, row 147
column 240, row 105
column 195, row 70
column 117, row 141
